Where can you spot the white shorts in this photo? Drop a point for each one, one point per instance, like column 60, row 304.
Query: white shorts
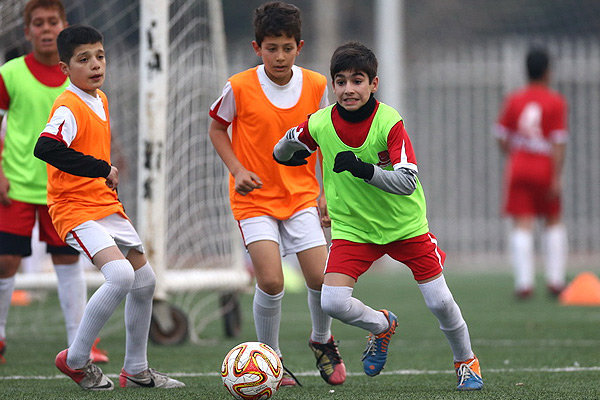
column 300, row 232
column 92, row 236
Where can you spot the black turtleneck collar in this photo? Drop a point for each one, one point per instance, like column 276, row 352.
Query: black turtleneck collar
column 359, row 115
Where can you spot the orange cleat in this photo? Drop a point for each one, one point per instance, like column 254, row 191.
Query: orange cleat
column 98, row 355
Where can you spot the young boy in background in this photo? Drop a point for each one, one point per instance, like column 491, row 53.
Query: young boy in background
column 377, row 206
column 88, row 215
column 276, row 207
column 28, row 87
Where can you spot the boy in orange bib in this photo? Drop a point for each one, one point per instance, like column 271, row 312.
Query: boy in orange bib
column 88, row 215
column 275, row 206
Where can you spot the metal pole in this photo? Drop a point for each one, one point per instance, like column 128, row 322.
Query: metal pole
column 153, row 92
column 389, row 37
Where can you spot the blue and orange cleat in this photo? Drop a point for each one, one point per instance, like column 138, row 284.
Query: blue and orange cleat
column 468, row 375
column 375, row 355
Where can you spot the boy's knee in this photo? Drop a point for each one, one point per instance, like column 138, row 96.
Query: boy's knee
column 119, row 273
column 332, row 303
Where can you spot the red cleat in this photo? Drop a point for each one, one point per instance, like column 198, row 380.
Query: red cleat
column 90, row 377
column 2, row 348
column 329, row 362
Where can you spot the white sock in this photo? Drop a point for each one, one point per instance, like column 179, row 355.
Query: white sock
column 321, row 322
column 555, row 249
column 441, row 303
column 119, row 280
column 72, row 294
column 138, row 312
column 338, row 302
column 521, row 251
column 267, row 317
column 7, row 286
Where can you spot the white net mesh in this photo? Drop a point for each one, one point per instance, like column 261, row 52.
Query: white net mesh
column 199, row 227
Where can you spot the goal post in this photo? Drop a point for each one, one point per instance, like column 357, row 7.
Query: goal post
column 152, row 135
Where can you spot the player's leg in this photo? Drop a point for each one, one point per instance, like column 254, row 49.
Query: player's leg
column 8, row 268
column 302, row 234
column 521, row 205
column 425, row 259
column 138, row 302
column 72, row 291
column 16, row 224
column 555, row 247
column 346, row 262
column 522, row 258
column 261, row 237
column 91, row 239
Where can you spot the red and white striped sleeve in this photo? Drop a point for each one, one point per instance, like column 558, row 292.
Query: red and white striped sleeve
column 402, row 154
column 62, row 126
column 223, row 109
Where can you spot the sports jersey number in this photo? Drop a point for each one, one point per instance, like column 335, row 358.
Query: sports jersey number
column 530, row 121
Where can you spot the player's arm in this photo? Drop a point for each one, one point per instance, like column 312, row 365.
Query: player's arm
column 399, row 181
column 402, row 180
column 4, row 183
column 57, row 154
column 293, row 148
column 245, row 181
column 223, row 111
column 559, row 136
column 53, row 147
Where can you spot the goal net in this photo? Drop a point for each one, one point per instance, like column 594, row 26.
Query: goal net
column 202, row 249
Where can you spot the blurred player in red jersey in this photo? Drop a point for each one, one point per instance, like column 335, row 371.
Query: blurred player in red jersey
column 532, row 133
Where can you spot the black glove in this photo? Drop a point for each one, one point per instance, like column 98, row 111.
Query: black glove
column 347, row 161
column 298, row 158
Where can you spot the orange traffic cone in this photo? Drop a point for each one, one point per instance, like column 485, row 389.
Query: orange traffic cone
column 584, row 290
column 20, row 298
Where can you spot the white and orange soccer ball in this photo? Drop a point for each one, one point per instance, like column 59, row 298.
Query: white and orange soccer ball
column 252, row 371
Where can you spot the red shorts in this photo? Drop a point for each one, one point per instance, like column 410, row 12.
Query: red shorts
column 421, row 254
column 528, row 183
column 18, row 219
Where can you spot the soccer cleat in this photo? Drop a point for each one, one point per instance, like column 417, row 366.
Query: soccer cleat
column 148, row 379
column 98, row 355
column 524, row 294
column 90, row 377
column 555, row 290
column 288, row 379
column 2, row 349
column 375, row 355
column 329, row 362
column 468, row 374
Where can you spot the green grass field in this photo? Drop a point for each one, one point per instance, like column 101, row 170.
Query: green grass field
column 528, row 350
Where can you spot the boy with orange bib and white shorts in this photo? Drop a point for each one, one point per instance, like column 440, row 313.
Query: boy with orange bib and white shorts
column 28, row 87
column 276, row 207
column 88, row 215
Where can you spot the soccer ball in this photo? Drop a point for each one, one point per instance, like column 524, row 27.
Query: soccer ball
column 252, row 371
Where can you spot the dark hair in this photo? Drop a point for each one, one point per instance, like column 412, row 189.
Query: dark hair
column 277, row 18
column 33, row 4
column 353, row 56
column 69, row 38
column 538, row 63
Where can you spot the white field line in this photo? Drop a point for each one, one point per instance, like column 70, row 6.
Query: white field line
column 315, row 373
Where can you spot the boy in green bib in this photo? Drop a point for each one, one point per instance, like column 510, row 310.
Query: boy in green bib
column 377, row 206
